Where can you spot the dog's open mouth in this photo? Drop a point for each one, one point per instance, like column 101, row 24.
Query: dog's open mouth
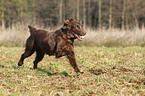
column 79, row 37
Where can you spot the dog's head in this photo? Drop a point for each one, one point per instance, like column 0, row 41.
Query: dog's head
column 74, row 29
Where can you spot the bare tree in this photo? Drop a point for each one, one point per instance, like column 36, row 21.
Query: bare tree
column 3, row 14
column 21, row 10
column 110, row 14
column 34, row 14
column 135, row 11
column 74, row 10
column 84, row 13
column 123, row 13
column 89, row 9
column 60, row 12
column 78, row 16
column 100, row 4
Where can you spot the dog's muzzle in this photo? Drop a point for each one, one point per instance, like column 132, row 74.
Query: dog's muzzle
column 79, row 37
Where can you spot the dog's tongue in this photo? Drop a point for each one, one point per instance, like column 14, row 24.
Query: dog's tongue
column 78, row 37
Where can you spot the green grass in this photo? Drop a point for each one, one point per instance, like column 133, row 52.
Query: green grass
column 107, row 71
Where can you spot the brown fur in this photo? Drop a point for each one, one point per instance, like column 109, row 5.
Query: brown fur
column 58, row 43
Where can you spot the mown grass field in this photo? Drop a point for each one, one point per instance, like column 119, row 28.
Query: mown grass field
column 107, row 71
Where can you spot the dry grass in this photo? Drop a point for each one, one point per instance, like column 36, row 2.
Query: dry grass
column 114, row 37
column 17, row 35
column 107, row 72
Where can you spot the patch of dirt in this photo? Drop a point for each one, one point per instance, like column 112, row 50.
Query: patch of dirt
column 138, row 81
column 97, row 71
column 123, row 69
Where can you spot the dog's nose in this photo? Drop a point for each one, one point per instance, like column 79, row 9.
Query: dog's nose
column 85, row 32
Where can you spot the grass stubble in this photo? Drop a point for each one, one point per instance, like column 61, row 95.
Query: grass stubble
column 107, row 71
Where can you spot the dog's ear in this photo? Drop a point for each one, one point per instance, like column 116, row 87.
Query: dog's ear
column 65, row 25
column 72, row 20
column 66, row 21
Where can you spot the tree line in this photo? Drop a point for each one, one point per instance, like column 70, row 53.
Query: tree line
column 91, row 13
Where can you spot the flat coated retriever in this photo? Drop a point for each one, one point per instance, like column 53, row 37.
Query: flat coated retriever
column 58, row 43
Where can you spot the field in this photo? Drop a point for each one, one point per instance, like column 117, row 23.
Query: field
column 107, row 71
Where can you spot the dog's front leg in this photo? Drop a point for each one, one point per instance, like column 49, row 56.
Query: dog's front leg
column 71, row 56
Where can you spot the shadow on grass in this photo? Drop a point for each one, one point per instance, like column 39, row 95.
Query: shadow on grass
column 39, row 69
column 54, row 73
column 6, row 66
column 16, row 67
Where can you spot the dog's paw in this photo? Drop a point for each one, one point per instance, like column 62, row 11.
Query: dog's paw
column 20, row 63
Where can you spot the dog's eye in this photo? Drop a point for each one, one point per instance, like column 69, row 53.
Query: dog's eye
column 78, row 27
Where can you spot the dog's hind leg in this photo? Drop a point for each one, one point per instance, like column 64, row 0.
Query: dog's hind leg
column 29, row 50
column 38, row 58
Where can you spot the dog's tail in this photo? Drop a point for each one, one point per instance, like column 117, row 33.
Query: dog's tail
column 32, row 29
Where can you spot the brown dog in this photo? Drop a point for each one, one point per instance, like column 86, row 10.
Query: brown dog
column 58, row 43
